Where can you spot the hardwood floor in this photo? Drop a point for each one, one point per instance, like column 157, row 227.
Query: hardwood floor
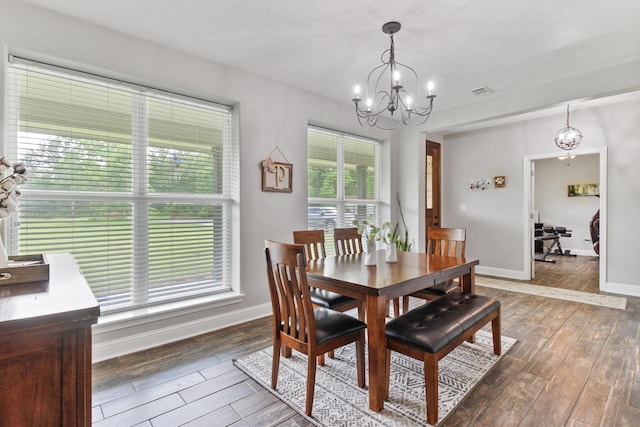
column 579, row 273
column 573, row 365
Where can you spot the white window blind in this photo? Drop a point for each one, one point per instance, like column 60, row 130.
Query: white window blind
column 343, row 181
column 133, row 182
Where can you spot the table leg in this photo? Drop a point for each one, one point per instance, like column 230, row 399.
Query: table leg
column 469, row 281
column 376, row 310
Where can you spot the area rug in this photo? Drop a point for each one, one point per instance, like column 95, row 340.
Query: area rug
column 339, row 401
column 550, row 292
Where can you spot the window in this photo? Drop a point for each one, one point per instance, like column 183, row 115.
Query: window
column 132, row 181
column 343, row 180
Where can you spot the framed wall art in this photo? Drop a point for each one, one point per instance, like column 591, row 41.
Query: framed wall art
column 583, row 190
column 276, row 176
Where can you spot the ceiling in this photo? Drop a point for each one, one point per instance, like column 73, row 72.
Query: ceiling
column 326, row 47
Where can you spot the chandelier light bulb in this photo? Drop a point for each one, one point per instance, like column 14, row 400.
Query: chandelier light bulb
column 356, row 90
column 430, row 87
column 409, row 101
column 396, row 76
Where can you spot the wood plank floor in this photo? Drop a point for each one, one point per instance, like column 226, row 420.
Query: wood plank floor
column 574, row 365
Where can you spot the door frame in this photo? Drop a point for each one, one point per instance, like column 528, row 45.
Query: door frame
column 528, row 200
column 437, row 184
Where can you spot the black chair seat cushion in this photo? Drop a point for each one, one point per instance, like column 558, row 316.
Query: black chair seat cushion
column 332, row 324
column 432, row 326
column 440, row 289
column 328, row 299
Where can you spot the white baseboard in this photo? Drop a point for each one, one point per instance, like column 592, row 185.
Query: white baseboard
column 155, row 336
column 622, row 289
column 501, row 272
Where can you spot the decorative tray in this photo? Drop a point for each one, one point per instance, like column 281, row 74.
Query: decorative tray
column 25, row 269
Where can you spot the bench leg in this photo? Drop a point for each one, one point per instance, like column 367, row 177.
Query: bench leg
column 431, row 384
column 495, row 330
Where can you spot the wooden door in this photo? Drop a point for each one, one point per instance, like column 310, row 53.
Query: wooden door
column 432, row 186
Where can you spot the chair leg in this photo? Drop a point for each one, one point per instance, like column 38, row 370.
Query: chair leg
column 405, row 304
column 495, row 330
column 431, row 384
column 331, row 354
column 361, row 312
column 286, row 351
column 360, row 361
column 396, row 307
column 311, row 383
column 275, row 363
column 321, row 360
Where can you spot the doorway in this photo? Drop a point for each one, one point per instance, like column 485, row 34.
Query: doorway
column 530, row 182
column 432, row 186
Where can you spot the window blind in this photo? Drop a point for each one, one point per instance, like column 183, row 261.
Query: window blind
column 133, row 182
column 343, row 181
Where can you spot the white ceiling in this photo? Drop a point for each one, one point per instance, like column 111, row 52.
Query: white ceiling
column 328, row 46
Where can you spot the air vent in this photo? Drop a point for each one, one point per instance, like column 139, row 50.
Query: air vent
column 481, row 91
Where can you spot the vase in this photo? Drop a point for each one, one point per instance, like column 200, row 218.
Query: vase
column 392, row 253
column 370, row 253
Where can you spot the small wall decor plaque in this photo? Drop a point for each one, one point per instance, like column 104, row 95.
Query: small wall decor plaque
column 277, row 176
column 499, row 181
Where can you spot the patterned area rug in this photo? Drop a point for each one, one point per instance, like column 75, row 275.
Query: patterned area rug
column 339, row 402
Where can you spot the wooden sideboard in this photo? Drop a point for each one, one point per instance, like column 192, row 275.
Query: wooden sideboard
column 45, row 348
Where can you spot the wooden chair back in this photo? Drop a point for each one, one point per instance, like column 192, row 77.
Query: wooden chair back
column 289, row 290
column 347, row 241
column 313, row 241
column 446, row 241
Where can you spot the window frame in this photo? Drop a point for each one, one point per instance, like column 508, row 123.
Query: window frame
column 140, row 197
column 341, row 201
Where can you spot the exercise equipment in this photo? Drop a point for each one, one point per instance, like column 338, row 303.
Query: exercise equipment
column 594, row 228
column 553, row 234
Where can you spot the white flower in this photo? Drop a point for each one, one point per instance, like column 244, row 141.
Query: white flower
column 8, row 184
column 9, row 192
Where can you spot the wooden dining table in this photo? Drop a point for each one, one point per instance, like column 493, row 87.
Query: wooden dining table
column 377, row 284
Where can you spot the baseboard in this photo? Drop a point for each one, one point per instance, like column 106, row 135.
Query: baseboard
column 501, row 272
column 621, row 289
column 582, row 252
column 126, row 344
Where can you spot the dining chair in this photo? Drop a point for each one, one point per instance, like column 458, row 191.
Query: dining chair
column 313, row 241
column 297, row 325
column 445, row 242
column 347, row 241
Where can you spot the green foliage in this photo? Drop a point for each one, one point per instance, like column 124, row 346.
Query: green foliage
column 368, row 230
column 402, row 243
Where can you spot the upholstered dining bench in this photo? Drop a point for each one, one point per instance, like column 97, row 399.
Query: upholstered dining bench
column 431, row 331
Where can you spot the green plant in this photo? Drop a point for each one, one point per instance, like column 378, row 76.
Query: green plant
column 388, row 234
column 402, row 243
column 368, row 230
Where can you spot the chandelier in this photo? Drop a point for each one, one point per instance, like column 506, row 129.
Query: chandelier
column 568, row 138
column 403, row 83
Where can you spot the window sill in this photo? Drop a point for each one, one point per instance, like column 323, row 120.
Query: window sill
column 139, row 316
